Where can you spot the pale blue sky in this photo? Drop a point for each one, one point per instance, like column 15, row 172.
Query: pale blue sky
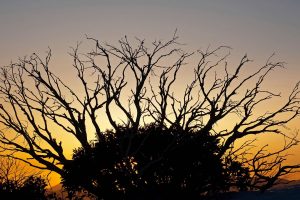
column 214, row 21
column 256, row 27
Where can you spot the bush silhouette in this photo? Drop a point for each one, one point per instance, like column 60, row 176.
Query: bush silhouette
column 152, row 163
column 32, row 188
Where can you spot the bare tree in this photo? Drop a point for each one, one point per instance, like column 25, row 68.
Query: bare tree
column 134, row 84
column 15, row 171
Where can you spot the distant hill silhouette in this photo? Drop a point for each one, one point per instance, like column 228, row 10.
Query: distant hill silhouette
column 290, row 192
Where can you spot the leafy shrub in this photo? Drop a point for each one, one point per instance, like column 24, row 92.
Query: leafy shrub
column 151, row 163
column 32, row 188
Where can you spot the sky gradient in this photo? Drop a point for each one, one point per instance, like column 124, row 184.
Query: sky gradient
column 257, row 27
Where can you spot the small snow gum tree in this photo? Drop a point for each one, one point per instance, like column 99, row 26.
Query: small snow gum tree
column 135, row 84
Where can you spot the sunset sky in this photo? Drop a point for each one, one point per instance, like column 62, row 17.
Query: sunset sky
column 257, row 27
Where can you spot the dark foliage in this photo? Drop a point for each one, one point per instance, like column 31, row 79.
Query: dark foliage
column 152, row 163
column 33, row 188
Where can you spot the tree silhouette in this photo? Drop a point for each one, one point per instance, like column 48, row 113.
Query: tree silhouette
column 19, row 182
column 160, row 164
column 134, row 84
